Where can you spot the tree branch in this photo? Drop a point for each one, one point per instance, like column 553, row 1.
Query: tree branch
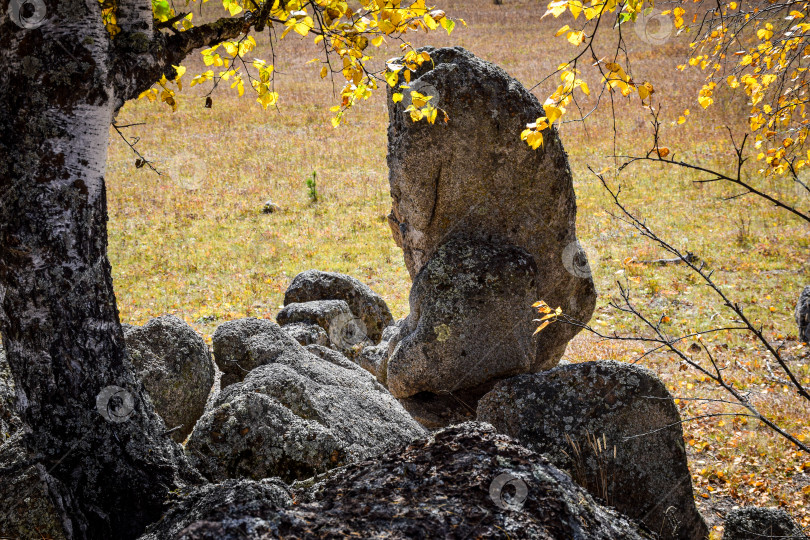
column 645, row 231
column 141, row 62
column 178, row 46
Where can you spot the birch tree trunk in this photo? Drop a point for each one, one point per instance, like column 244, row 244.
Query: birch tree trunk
column 90, row 430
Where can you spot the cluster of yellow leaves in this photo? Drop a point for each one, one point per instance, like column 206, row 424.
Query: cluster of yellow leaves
column 770, row 69
column 384, row 19
column 231, row 72
column 555, row 106
column 549, row 315
column 411, row 62
column 420, row 106
column 343, row 30
column 166, row 94
column 614, row 77
column 677, row 16
column 108, row 9
column 767, row 63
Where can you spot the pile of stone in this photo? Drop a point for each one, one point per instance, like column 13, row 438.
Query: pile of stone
column 331, row 406
column 291, row 411
column 487, row 228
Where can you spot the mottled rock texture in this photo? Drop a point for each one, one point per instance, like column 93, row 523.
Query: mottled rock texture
column 237, row 502
column 344, row 330
column 231, row 352
column 374, row 358
column 307, row 333
column 473, row 175
column 174, row 365
column 9, row 421
column 470, row 321
column 363, row 302
column 446, row 486
column 615, row 428
column 332, row 356
column 753, row 523
column 296, row 415
column 803, row 315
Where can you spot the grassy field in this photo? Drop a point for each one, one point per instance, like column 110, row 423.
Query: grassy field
column 195, row 242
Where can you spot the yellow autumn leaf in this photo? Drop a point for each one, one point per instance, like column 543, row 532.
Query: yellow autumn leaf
column 643, row 92
column 585, row 89
column 430, row 22
column 391, row 77
column 576, row 38
column 419, row 100
column 552, row 113
column 562, row 30
column 575, row 7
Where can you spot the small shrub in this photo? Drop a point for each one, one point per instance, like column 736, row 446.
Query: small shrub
column 312, row 187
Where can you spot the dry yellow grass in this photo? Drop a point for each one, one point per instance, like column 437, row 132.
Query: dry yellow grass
column 197, row 245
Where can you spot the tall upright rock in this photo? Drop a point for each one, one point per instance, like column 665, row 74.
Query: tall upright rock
column 472, row 178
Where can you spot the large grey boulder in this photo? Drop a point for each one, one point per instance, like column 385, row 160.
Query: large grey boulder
column 462, row 482
column 174, row 365
column 753, row 523
column 803, row 315
column 231, row 352
column 363, row 302
column 470, row 321
column 473, row 175
column 615, row 428
column 296, row 415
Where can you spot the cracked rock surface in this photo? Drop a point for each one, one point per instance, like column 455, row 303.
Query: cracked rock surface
column 451, row 485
